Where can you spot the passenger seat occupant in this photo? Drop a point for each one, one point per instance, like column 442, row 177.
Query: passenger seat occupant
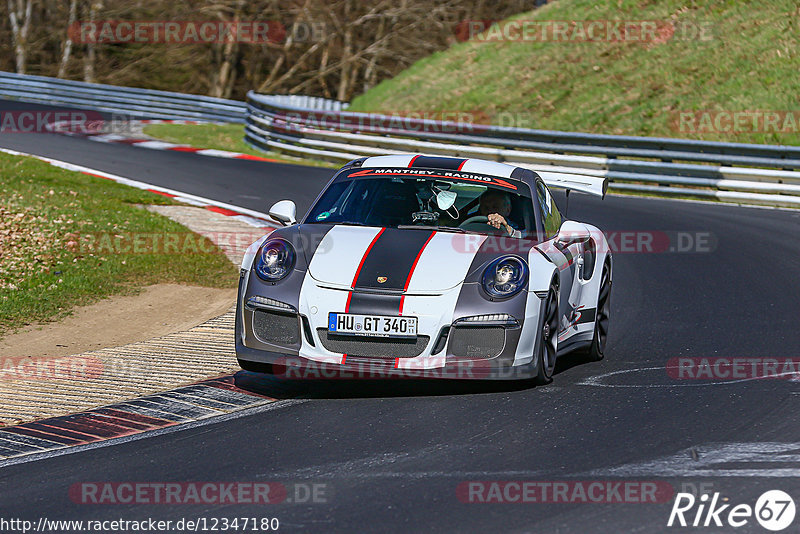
column 496, row 205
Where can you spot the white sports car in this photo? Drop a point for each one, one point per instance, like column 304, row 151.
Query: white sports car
column 412, row 265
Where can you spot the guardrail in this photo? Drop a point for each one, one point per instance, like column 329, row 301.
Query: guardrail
column 323, row 129
column 733, row 172
column 138, row 103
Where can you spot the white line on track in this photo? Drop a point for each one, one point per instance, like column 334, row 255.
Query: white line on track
column 748, row 459
column 181, row 196
column 599, row 380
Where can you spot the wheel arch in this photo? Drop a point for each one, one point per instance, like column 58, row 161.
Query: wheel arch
column 542, row 272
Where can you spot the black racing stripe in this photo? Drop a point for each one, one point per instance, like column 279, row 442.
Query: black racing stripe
column 437, row 162
column 392, row 257
column 374, row 304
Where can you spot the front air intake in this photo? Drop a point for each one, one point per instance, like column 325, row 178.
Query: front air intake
column 477, row 342
column 373, row 347
column 278, row 328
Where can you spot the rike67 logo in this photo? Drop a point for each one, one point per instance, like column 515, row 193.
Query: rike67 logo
column 774, row 510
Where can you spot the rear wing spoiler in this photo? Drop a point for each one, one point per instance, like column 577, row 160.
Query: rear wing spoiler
column 585, row 183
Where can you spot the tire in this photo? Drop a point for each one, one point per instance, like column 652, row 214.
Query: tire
column 548, row 347
column 256, row 367
column 596, row 351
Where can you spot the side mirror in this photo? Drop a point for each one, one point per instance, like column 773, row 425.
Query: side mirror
column 284, row 212
column 573, row 232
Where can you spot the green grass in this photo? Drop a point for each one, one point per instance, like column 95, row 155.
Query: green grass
column 750, row 63
column 48, row 264
column 221, row 137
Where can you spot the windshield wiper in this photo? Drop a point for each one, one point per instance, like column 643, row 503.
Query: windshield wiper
column 432, row 227
column 346, row 223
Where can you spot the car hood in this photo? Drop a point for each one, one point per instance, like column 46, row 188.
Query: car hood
column 389, row 259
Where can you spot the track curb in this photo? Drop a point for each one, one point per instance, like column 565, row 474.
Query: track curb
column 64, row 128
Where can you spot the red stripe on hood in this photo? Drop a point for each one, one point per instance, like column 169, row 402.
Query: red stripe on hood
column 411, row 272
column 358, row 271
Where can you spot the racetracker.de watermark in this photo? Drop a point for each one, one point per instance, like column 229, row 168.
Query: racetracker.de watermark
column 51, row 368
column 564, row 491
column 351, row 367
column 583, row 31
column 733, row 368
column 47, row 121
column 178, row 243
column 735, row 121
column 205, row 493
column 409, row 120
column 177, row 32
column 615, row 242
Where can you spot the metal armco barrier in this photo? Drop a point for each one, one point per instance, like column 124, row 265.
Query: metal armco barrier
column 323, row 129
column 141, row 103
column 732, row 172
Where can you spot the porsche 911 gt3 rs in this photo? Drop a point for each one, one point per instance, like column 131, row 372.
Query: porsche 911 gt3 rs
column 414, row 265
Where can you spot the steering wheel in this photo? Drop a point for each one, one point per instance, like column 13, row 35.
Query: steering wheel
column 480, row 223
column 475, row 219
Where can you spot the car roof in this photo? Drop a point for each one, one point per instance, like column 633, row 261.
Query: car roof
column 472, row 165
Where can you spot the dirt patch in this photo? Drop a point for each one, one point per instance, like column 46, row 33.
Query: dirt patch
column 158, row 310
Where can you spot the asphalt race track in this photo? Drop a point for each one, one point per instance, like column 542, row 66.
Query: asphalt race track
column 240, row 182
column 392, row 454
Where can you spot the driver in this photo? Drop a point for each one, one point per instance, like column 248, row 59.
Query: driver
column 496, row 206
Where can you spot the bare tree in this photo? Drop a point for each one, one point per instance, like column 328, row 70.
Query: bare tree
column 67, row 49
column 227, row 52
column 331, row 48
column 90, row 58
column 19, row 15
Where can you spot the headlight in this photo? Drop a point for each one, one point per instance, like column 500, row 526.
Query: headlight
column 275, row 260
column 505, row 277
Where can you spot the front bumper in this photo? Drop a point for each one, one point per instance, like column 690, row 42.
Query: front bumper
column 291, row 367
column 296, row 343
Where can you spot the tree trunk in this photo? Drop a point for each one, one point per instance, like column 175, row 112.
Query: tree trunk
column 320, row 76
column 62, row 68
column 226, row 75
column 344, row 79
column 89, row 59
column 370, row 73
column 19, row 15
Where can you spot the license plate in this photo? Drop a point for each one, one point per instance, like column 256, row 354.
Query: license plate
column 372, row 325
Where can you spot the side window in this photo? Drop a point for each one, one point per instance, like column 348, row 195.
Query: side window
column 550, row 214
column 555, row 216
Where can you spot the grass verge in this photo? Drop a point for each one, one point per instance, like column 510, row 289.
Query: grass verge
column 725, row 56
column 68, row 239
column 220, row 137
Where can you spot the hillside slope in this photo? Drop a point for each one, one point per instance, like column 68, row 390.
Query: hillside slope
column 715, row 58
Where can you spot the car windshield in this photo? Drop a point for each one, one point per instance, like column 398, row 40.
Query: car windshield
column 456, row 205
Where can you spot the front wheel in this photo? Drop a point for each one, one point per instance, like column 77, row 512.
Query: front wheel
column 548, row 345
